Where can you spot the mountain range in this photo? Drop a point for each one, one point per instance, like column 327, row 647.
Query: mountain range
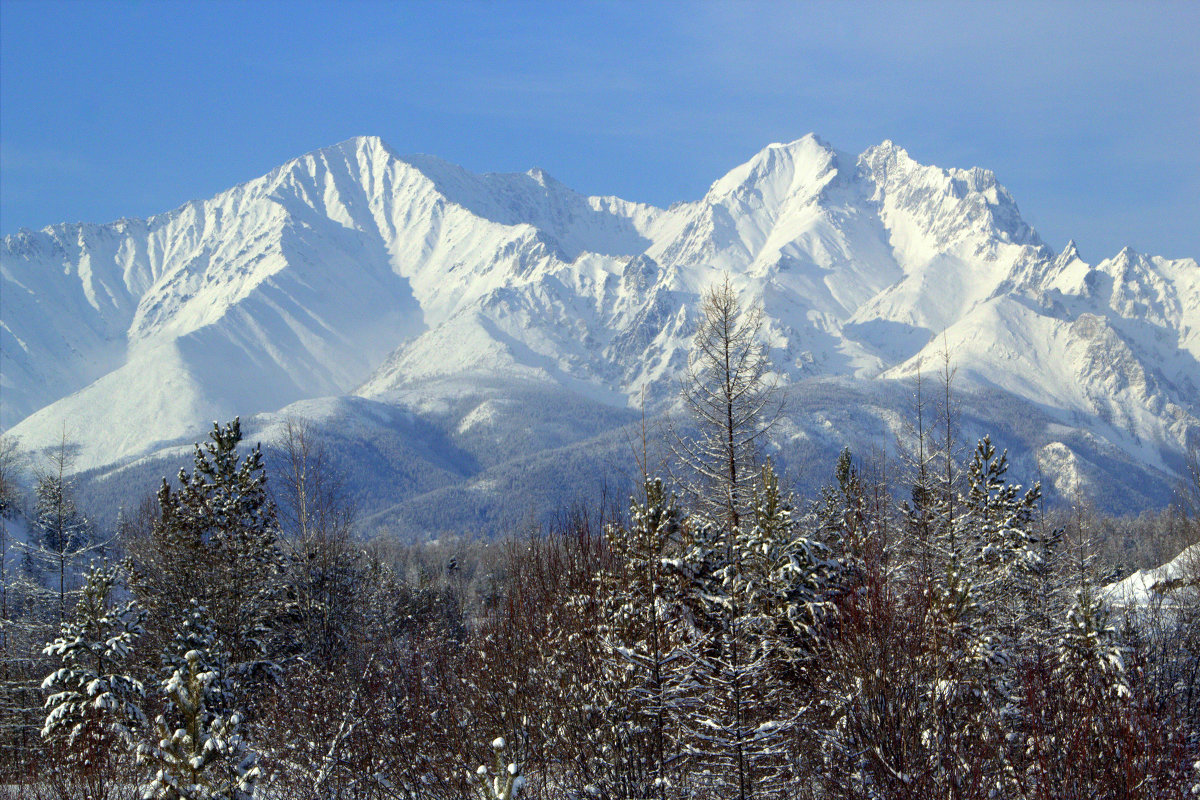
column 477, row 349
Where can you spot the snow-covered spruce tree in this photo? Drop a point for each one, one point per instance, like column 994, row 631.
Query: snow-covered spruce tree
column 937, row 568
column 1026, row 718
column 643, row 687
column 200, row 752
column 215, row 543
column 933, row 572
column 1000, row 524
column 782, row 584
column 94, row 706
column 960, row 658
column 1090, row 690
column 759, row 594
column 951, row 666
column 842, row 514
column 61, row 534
column 785, row 578
column 1009, row 560
column 196, row 632
column 999, row 537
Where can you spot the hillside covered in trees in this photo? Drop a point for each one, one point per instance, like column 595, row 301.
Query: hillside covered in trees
column 923, row 627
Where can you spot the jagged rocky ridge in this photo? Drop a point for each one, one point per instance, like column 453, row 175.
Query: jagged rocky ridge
column 455, row 315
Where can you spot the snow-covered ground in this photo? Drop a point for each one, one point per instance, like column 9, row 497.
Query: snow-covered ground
column 1166, row 584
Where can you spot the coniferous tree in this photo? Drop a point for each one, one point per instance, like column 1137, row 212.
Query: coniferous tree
column 1090, row 723
column 999, row 539
column 842, row 514
column 199, row 754
column 643, row 683
column 504, row 780
column 94, row 705
column 759, row 594
column 786, row 576
column 215, row 543
column 939, row 573
column 61, row 533
column 732, row 402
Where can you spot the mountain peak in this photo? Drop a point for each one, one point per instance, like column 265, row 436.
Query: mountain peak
column 355, row 153
column 1069, row 253
column 887, row 154
column 347, row 148
column 807, row 141
column 950, row 203
column 544, row 179
column 781, row 169
column 354, row 143
column 303, row 280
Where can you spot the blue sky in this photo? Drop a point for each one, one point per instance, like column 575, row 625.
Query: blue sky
column 1089, row 113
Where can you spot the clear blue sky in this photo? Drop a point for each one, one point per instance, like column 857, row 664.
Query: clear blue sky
column 1089, row 113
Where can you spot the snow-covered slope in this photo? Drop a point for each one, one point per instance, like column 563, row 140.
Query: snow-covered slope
column 1175, row 580
column 407, row 280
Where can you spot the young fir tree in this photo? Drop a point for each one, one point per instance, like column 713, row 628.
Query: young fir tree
column 1089, row 734
column 94, row 705
column 215, row 543
column 201, row 752
column 952, row 670
column 62, row 535
column 760, row 593
column 643, row 685
column 1000, row 524
column 787, row 577
column 936, row 568
column 843, row 509
column 999, row 536
column 504, row 781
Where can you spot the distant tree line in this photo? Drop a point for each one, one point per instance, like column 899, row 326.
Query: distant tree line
column 923, row 628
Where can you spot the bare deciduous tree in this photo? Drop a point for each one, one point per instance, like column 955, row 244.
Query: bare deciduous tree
column 732, row 401
column 316, row 518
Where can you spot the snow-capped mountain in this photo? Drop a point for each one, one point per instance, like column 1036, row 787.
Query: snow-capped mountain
column 410, row 282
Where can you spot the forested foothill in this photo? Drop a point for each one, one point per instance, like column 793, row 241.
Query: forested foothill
column 924, row 627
